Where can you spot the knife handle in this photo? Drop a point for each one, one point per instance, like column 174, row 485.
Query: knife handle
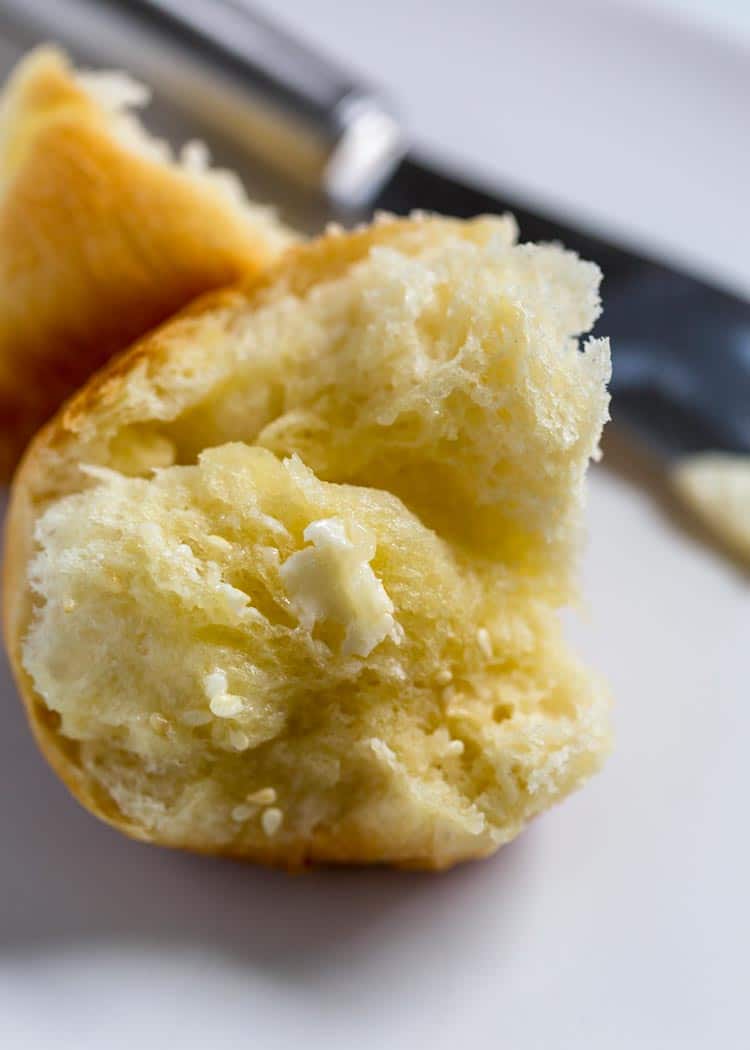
column 303, row 112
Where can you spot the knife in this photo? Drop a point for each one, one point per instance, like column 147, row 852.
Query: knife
column 681, row 347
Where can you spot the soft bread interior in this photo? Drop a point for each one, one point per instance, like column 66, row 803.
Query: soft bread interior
column 296, row 559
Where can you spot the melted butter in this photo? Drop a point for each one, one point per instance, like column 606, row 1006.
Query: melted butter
column 332, row 579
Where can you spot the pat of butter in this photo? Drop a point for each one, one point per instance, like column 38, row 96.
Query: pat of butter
column 333, row 580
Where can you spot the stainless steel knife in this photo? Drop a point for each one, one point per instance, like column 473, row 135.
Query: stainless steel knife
column 681, row 347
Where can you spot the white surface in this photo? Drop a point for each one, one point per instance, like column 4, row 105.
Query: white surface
column 619, row 919
column 619, row 113
column 731, row 17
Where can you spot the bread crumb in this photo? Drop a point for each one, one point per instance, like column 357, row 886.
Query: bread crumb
column 272, row 820
column 716, row 487
column 263, row 797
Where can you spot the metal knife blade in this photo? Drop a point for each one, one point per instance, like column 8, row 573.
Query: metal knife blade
column 680, row 347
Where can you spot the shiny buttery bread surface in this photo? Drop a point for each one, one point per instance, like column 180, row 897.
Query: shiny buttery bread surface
column 282, row 581
column 102, row 234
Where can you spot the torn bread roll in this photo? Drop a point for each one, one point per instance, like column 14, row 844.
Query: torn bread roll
column 282, row 581
column 103, row 234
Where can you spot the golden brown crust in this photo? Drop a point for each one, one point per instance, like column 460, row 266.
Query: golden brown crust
column 97, row 244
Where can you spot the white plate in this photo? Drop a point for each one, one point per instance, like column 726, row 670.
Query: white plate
column 619, row 919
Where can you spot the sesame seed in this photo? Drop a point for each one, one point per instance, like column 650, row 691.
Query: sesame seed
column 272, row 820
column 158, row 723
column 264, row 797
column 226, row 705
column 444, row 676
column 456, row 747
column 243, row 813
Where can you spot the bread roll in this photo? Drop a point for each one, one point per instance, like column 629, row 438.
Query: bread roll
column 282, row 581
column 103, row 234
column 716, row 487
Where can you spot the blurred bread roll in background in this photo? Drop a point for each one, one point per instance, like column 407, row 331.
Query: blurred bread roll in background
column 283, row 581
column 103, row 233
